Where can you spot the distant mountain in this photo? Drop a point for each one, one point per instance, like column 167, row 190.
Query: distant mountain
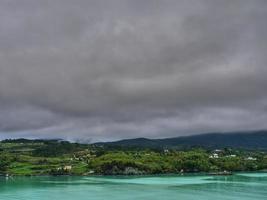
column 247, row 140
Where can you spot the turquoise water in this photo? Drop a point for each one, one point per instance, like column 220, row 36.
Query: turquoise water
column 240, row 186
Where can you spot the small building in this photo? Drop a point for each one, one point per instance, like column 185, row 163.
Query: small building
column 67, row 167
column 251, row 158
column 166, row 151
column 214, row 155
column 231, row 156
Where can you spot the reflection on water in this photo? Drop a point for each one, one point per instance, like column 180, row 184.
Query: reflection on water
column 240, row 186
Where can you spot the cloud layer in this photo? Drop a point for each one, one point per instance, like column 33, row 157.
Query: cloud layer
column 105, row 70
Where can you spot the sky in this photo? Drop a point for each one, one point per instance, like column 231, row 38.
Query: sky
column 96, row 70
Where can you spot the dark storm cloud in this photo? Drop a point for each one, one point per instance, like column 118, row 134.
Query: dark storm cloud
column 117, row 69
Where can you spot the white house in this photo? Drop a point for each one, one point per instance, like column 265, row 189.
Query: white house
column 251, row 158
column 214, row 155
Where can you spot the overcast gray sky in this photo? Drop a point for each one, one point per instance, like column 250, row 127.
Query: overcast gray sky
column 105, row 70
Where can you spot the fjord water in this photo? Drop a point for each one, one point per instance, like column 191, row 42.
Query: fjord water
column 252, row 186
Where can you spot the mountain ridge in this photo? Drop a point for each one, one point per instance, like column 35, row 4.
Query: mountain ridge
column 240, row 139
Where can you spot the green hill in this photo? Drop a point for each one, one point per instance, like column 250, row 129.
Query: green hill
column 247, row 140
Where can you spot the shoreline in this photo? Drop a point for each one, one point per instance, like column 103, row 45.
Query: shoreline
column 139, row 175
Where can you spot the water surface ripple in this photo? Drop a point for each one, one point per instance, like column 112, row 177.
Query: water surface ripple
column 243, row 186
